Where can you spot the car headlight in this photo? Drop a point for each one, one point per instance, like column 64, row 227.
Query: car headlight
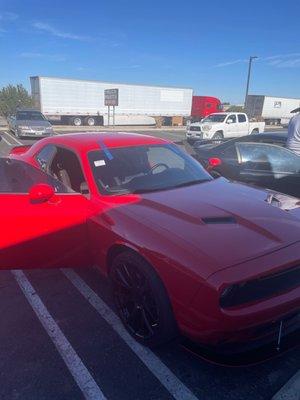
column 206, row 127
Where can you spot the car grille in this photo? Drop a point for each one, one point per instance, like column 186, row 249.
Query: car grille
column 262, row 288
column 195, row 128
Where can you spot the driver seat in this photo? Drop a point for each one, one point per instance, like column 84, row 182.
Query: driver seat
column 63, row 176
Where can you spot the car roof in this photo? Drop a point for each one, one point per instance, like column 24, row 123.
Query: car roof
column 89, row 141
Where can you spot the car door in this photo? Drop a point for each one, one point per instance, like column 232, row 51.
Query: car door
column 269, row 166
column 38, row 232
column 232, row 126
column 243, row 125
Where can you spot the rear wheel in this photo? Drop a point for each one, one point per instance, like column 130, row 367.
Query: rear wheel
column 77, row 121
column 90, row 121
column 141, row 300
column 254, row 132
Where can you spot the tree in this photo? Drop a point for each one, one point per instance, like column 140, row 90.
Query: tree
column 13, row 97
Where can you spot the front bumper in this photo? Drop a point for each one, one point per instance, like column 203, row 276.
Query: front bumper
column 269, row 341
column 194, row 135
column 34, row 133
column 204, row 321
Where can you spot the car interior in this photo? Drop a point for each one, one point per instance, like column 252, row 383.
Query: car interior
column 66, row 167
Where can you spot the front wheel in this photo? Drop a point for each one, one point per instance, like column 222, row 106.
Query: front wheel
column 141, row 300
column 218, row 136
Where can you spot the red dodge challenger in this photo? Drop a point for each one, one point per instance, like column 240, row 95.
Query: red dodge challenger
column 215, row 261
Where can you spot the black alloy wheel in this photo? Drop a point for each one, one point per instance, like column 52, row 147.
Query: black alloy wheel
column 141, row 300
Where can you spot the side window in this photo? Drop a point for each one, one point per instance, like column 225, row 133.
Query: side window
column 45, row 156
column 18, row 177
column 230, row 153
column 268, row 158
column 66, row 167
column 242, row 118
column 232, row 117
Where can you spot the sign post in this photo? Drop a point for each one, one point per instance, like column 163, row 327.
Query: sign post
column 111, row 98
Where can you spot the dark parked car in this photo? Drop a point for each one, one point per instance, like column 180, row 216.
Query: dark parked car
column 30, row 123
column 260, row 159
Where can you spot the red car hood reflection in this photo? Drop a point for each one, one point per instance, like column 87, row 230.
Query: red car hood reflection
column 224, row 223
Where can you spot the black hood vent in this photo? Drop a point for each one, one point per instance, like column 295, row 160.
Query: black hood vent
column 219, row 220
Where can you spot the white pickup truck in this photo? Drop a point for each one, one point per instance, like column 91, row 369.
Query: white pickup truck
column 223, row 125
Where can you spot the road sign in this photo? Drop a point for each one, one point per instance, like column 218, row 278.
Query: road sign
column 111, row 97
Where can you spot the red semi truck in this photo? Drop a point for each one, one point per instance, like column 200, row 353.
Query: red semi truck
column 202, row 106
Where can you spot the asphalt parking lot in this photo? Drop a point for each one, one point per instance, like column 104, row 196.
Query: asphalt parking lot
column 60, row 339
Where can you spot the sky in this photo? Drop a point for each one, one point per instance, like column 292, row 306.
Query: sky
column 204, row 45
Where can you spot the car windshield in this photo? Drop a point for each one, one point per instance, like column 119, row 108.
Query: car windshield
column 141, row 169
column 215, row 118
column 30, row 116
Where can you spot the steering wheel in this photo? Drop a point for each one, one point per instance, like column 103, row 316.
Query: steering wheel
column 156, row 166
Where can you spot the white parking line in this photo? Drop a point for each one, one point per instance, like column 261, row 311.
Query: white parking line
column 80, row 373
column 6, row 141
column 13, row 138
column 291, row 390
column 177, row 389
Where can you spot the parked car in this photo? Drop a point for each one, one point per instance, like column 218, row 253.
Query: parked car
column 215, row 261
column 223, row 125
column 29, row 123
column 261, row 160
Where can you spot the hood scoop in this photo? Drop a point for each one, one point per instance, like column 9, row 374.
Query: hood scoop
column 219, row 220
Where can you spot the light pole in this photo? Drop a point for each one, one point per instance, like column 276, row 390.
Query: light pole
column 248, row 78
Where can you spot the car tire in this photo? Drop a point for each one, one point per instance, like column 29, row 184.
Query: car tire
column 254, row 132
column 141, row 300
column 218, row 135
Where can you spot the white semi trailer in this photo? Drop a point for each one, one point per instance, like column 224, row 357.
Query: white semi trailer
column 79, row 102
column 273, row 110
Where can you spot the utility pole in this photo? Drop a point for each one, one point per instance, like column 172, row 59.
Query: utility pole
column 248, row 78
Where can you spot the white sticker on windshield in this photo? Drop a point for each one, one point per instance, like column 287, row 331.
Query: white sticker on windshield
column 99, row 163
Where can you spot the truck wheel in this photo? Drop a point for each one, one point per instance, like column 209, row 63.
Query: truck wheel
column 218, row 135
column 77, row 121
column 254, row 132
column 141, row 300
column 90, row 121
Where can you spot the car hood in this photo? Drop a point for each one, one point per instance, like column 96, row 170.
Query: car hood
column 219, row 222
column 45, row 124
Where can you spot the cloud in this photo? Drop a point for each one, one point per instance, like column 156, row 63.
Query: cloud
column 133, row 66
column 51, row 57
column 41, row 26
column 8, row 16
column 290, row 60
column 294, row 63
column 228, row 63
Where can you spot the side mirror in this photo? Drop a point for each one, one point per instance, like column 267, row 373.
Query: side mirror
column 41, row 193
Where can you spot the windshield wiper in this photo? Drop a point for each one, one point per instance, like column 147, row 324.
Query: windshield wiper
column 189, row 183
column 138, row 191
